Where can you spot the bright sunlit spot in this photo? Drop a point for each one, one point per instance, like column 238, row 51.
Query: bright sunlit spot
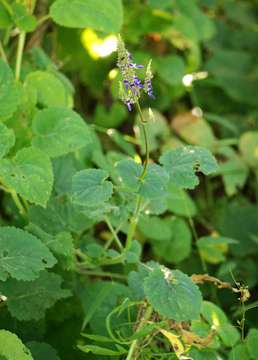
column 96, row 46
column 112, row 74
column 188, row 79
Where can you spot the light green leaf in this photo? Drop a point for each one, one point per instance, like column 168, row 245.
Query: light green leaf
column 251, row 343
column 248, row 146
column 239, row 352
column 11, row 347
column 5, row 18
column 90, row 188
column 171, row 69
column 22, row 255
column 29, row 300
column 173, row 294
column 42, row 351
column 214, row 248
column 58, row 131
column 7, row 140
column 49, row 88
column 22, row 18
column 30, row 174
column 179, row 202
column 106, row 16
column 183, row 163
column 176, row 247
column 9, row 93
column 150, row 227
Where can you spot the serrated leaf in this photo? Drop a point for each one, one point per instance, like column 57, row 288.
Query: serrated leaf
column 22, row 255
column 30, row 300
column 179, row 202
column 104, row 16
column 7, row 140
column 90, row 188
column 49, row 89
column 9, row 93
column 30, row 174
column 58, row 131
column 129, row 172
column 183, row 163
column 42, row 351
column 12, row 348
column 173, row 294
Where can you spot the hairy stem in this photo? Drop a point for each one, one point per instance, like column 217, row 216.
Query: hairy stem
column 21, row 42
column 113, row 232
column 135, row 216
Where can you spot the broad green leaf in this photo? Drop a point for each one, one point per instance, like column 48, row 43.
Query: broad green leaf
column 7, row 140
column 251, row 343
column 30, row 174
column 112, row 118
column 29, row 300
column 90, row 188
column 49, row 88
column 59, row 215
column 5, row 18
column 203, row 354
column 217, row 318
column 155, row 228
column 154, row 184
column 104, row 16
column 171, row 69
column 23, row 20
column 248, row 146
column 9, row 93
column 214, row 248
column 22, row 255
column 12, row 348
column 176, row 247
column 42, row 351
column 183, row 163
column 58, row 131
column 239, row 352
column 179, row 202
column 173, row 294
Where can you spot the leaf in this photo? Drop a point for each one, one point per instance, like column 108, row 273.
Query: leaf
column 30, row 300
column 150, row 227
column 22, row 255
column 58, row 131
column 99, row 350
column 104, row 16
column 23, row 20
column 248, row 145
column 183, row 162
column 90, row 188
column 30, row 174
column 129, row 172
column 11, row 347
column 239, row 352
column 7, row 140
column 9, row 93
column 171, row 69
column 42, row 351
column 176, row 247
column 213, row 248
column 179, row 202
column 173, row 294
column 49, row 88
column 175, row 342
column 251, row 343
column 5, row 18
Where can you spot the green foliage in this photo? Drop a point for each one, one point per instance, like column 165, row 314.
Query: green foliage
column 11, row 347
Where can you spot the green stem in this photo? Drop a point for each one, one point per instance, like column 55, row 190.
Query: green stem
column 103, row 274
column 2, row 52
column 134, row 344
column 18, row 203
column 134, row 219
column 20, row 48
column 113, row 232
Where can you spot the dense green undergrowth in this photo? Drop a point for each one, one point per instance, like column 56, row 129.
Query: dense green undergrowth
column 128, row 234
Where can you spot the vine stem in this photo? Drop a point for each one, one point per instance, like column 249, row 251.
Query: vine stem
column 102, row 274
column 134, row 218
column 2, row 52
column 134, row 344
column 20, row 48
column 113, row 232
